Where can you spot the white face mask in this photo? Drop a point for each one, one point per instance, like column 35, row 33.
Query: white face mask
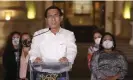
column 15, row 41
column 97, row 41
column 107, row 44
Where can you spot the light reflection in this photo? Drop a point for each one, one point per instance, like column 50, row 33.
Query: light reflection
column 31, row 11
column 127, row 9
column 8, row 15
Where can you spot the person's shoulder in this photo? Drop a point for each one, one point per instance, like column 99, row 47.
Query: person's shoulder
column 97, row 52
column 66, row 31
column 119, row 53
column 40, row 31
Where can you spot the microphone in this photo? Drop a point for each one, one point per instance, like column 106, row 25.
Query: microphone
column 42, row 32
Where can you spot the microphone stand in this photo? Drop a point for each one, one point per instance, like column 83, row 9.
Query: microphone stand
column 42, row 32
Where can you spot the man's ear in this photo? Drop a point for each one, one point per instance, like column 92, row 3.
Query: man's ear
column 62, row 18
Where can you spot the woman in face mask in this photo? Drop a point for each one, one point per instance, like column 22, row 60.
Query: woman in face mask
column 108, row 63
column 25, row 43
column 96, row 38
column 11, row 56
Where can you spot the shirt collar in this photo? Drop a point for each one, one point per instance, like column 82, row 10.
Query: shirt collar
column 60, row 30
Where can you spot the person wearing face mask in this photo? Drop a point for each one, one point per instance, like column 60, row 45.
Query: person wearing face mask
column 108, row 63
column 11, row 56
column 25, row 43
column 97, row 34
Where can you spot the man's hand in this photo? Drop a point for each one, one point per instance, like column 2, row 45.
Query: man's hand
column 63, row 59
column 38, row 60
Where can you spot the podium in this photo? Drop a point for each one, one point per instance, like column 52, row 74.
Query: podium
column 49, row 71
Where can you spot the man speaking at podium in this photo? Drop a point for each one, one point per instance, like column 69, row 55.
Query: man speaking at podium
column 53, row 44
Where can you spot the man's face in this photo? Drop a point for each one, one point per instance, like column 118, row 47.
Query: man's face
column 53, row 18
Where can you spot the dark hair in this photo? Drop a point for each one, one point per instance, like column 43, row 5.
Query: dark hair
column 53, row 7
column 97, row 31
column 26, row 34
column 9, row 50
column 101, row 42
column 9, row 44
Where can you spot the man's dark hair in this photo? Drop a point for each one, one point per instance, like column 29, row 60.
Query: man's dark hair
column 53, row 7
column 113, row 38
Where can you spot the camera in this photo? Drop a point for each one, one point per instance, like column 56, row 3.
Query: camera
column 26, row 43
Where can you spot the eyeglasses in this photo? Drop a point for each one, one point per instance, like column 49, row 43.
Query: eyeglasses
column 53, row 16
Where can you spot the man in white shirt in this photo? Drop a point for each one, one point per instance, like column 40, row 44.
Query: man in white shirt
column 53, row 44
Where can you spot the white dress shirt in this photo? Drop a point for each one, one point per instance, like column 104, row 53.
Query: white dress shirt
column 51, row 47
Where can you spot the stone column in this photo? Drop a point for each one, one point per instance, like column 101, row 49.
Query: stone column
column 117, row 27
column 109, row 16
column 118, row 15
column 39, row 9
column 2, row 35
column 131, row 40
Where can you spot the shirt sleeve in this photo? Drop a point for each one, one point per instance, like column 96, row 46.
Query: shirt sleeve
column 124, row 67
column 94, row 67
column 71, row 48
column 34, row 51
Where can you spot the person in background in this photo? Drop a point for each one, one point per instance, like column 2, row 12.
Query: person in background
column 11, row 56
column 108, row 63
column 97, row 34
column 25, row 43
